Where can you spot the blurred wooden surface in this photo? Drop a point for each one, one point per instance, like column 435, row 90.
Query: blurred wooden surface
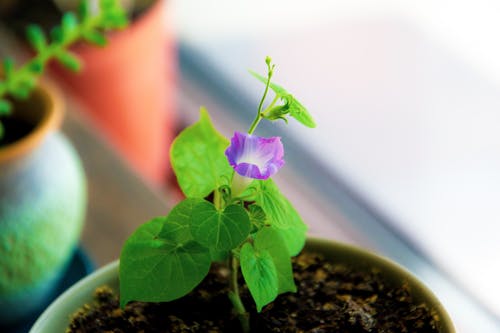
column 118, row 200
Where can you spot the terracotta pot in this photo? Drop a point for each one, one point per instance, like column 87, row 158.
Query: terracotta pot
column 55, row 318
column 42, row 205
column 128, row 88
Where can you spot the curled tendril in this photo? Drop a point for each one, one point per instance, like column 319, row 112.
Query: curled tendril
column 225, row 191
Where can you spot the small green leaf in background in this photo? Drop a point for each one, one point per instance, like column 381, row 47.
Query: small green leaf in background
column 8, row 67
column 36, row 37
column 36, row 66
column 282, row 216
column 95, row 37
column 198, row 159
column 57, row 35
column 260, row 274
column 176, row 225
column 113, row 15
column 23, row 87
column 270, row 240
column 220, row 230
column 157, row 270
column 83, row 10
column 69, row 60
column 5, row 107
column 69, row 25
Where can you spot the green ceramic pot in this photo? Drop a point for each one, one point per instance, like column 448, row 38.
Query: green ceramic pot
column 55, row 318
column 42, row 205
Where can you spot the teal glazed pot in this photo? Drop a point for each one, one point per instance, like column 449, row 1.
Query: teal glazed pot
column 42, row 205
column 56, row 317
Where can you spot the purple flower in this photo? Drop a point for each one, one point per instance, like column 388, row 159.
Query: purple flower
column 255, row 157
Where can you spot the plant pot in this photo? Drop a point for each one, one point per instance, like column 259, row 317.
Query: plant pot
column 42, row 205
column 55, row 318
column 127, row 88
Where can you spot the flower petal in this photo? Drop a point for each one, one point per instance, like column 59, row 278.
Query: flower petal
column 255, row 157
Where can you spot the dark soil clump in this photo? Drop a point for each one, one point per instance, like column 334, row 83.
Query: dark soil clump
column 330, row 298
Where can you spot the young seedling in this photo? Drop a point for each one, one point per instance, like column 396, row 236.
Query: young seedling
column 249, row 223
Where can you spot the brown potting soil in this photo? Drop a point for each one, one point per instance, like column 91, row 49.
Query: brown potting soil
column 330, row 298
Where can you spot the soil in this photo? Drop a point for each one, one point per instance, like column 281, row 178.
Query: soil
column 330, row 298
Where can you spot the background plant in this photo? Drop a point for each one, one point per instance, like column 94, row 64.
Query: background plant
column 19, row 82
column 248, row 222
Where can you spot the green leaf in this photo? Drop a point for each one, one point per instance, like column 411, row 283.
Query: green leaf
column 69, row 60
column 84, row 10
column 36, row 66
column 300, row 113
column 8, row 67
column 114, row 21
column 220, row 230
column 281, row 215
column 270, row 240
column 260, row 275
column 69, row 24
column 113, row 15
column 107, row 5
column 24, row 86
column 158, row 270
column 273, row 203
column 295, row 236
column 176, row 225
column 198, row 159
column 57, row 35
column 257, row 215
column 5, row 107
column 219, row 256
column 36, row 37
column 95, row 37
column 275, row 87
column 2, row 131
column 297, row 110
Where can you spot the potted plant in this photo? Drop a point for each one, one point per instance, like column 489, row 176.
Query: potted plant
column 128, row 88
column 221, row 260
column 42, row 183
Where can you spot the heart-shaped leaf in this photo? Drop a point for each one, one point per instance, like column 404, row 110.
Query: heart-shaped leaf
column 260, row 274
column 219, row 230
column 198, row 159
column 281, row 215
column 159, row 270
column 271, row 241
column 177, row 224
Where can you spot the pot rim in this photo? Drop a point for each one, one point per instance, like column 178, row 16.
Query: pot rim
column 52, row 109
column 103, row 274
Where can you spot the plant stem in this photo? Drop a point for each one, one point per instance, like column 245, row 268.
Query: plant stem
column 255, row 123
column 259, row 115
column 234, row 295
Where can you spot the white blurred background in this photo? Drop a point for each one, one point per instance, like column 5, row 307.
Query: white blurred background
column 407, row 98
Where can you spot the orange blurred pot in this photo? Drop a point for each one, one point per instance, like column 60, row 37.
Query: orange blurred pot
column 127, row 88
